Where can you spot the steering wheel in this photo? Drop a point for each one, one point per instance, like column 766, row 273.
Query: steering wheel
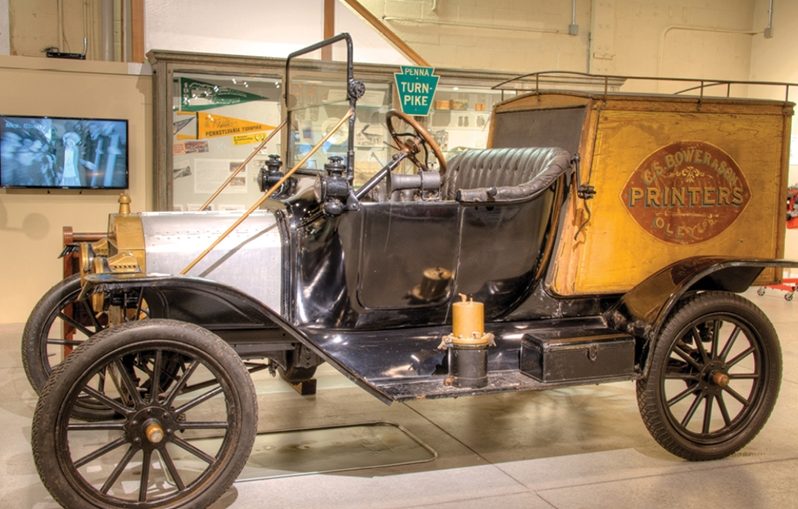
column 409, row 141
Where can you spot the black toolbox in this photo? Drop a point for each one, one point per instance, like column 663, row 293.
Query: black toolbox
column 547, row 356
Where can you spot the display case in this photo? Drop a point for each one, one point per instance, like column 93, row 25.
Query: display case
column 460, row 116
column 459, row 120
column 217, row 122
column 312, row 123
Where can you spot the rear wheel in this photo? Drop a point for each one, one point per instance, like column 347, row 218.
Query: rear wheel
column 714, row 377
column 61, row 321
column 181, row 442
column 58, row 323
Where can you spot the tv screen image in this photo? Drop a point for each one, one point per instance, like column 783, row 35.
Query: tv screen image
column 65, row 153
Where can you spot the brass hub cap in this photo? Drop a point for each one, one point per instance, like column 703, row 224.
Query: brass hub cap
column 150, row 427
column 720, row 379
column 713, row 378
column 154, row 431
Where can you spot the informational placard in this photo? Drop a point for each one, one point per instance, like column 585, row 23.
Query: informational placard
column 416, row 88
column 210, row 173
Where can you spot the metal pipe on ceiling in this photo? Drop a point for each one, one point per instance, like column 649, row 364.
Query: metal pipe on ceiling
column 769, row 28
column 60, row 17
column 459, row 24
column 127, row 39
column 573, row 27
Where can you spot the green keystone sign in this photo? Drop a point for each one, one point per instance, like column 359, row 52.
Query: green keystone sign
column 416, row 88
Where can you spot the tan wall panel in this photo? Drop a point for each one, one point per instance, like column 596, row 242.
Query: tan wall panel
column 31, row 220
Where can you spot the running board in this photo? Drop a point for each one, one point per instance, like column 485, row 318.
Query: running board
column 407, row 364
column 498, row 381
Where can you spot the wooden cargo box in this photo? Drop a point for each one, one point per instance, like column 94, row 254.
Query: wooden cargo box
column 674, row 176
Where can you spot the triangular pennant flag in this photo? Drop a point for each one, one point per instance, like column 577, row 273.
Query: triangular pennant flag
column 180, row 124
column 199, row 95
column 211, row 126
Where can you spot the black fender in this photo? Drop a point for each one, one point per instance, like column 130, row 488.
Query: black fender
column 232, row 314
column 643, row 310
column 195, row 300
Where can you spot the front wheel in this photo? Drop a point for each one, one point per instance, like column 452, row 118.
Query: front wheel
column 184, row 434
column 714, row 377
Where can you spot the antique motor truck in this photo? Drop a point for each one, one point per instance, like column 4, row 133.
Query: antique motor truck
column 601, row 237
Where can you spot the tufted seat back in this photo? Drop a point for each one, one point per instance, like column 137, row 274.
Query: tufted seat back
column 503, row 174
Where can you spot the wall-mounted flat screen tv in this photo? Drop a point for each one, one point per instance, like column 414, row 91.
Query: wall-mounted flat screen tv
column 63, row 153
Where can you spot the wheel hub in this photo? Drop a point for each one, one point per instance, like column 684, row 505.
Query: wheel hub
column 150, row 426
column 154, row 431
column 720, row 379
column 714, row 377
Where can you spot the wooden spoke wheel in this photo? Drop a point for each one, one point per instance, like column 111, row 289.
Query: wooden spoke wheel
column 184, row 435
column 59, row 323
column 714, row 378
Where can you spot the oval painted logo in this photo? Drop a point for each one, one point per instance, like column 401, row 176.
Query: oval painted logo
column 686, row 192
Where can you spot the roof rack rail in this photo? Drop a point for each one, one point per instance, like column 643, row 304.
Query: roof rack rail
column 533, row 82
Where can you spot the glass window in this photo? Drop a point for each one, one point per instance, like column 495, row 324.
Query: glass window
column 217, row 123
column 371, row 134
column 459, row 118
column 317, row 99
column 311, row 122
column 194, row 92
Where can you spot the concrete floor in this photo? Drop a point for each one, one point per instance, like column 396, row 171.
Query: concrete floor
column 565, row 448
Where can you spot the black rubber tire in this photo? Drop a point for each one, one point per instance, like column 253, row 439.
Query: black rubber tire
column 236, row 394
column 710, row 375
column 35, row 358
column 41, row 329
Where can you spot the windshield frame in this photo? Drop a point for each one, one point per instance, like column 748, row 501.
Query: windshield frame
column 350, row 94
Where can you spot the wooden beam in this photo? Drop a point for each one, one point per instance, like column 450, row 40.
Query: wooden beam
column 329, row 27
column 137, row 30
column 386, row 32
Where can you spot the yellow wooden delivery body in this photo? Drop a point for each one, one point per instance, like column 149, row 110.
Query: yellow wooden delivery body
column 675, row 177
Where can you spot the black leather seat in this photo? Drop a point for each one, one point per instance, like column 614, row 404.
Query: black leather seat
column 503, row 174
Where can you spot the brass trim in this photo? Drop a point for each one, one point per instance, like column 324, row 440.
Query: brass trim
column 720, row 379
column 124, row 262
column 154, row 432
column 128, row 237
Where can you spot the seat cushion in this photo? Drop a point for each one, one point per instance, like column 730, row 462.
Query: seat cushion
column 503, row 174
